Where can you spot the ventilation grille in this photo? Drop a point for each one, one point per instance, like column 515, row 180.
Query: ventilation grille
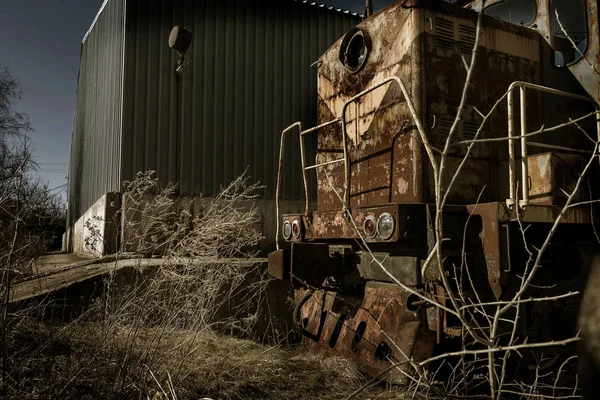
column 466, row 35
column 469, row 130
column 444, row 34
column 444, row 129
column 464, row 130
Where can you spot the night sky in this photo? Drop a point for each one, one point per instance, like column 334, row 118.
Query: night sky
column 40, row 43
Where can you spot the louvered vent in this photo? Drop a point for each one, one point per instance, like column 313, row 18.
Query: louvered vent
column 469, row 130
column 444, row 34
column 444, row 129
column 466, row 35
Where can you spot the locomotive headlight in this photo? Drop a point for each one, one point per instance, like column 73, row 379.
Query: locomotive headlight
column 296, row 229
column 386, row 226
column 287, row 230
column 370, row 227
column 355, row 49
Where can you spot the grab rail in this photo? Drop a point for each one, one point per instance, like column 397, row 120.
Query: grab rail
column 523, row 86
column 345, row 159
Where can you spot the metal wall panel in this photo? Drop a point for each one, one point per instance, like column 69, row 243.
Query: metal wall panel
column 249, row 77
column 94, row 167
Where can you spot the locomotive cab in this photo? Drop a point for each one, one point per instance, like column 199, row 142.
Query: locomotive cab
column 388, row 96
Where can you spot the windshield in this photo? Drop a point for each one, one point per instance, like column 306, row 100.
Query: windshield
column 570, row 41
column 520, row 12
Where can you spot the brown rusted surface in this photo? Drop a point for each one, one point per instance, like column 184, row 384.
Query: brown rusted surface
column 379, row 144
column 543, row 214
column 493, row 242
column 588, row 77
column 385, row 153
column 279, row 264
column 392, row 333
column 335, row 224
column 551, row 176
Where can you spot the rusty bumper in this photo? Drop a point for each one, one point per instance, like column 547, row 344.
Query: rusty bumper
column 378, row 330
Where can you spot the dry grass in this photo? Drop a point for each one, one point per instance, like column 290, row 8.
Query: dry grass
column 152, row 335
column 77, row 362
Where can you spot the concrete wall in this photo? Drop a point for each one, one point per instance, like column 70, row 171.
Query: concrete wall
column 96, row 232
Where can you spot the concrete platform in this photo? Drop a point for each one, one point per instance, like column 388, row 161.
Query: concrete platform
column 56, row 271
column 53, row 262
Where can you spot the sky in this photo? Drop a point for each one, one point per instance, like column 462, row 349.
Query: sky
column 40, row 44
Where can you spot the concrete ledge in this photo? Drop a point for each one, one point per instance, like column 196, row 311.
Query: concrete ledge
column 115, row 224
column 133, row 222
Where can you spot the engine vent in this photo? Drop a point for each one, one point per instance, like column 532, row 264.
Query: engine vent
column 469, row 130
column 444, row 34
column 444, row 129
column 466, row 35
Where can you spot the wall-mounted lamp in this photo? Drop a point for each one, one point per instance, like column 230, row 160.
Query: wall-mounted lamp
column 180, row 40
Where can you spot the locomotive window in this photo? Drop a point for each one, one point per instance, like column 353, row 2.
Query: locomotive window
column 520, row 12
column 573, row 18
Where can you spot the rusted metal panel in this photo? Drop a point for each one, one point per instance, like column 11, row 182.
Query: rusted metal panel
column 506, row 53
column 493, row 243
column 335, row 224
column 377, row 329
column 403, row 268
column 279, row 264
column 386, row 165
column 375, row 124
column 551, row 176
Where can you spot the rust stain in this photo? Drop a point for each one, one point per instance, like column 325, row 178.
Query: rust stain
column 376, row 330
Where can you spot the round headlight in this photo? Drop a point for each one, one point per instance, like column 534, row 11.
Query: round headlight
column 287, row 230
column 370, row 227
column 385, row 226
column 296, row 229
column 355, row 49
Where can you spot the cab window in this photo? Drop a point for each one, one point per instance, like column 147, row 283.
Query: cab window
column 573, row 18
column 520, row 12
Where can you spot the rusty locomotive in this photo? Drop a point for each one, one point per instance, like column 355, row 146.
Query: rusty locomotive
column 388, row 96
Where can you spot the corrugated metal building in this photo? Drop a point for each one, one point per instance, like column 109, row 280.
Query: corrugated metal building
column 249, row 77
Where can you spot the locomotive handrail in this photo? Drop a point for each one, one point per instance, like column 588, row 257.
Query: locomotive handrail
column 277, row 189
column 341, row 120
column 523, row 86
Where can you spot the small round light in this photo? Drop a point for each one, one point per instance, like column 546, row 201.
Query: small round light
column 370, row 227
column 296, row 229
column 385, row 226
column 287, row 230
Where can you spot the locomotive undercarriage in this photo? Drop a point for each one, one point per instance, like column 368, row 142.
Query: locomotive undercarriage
column 346, row 304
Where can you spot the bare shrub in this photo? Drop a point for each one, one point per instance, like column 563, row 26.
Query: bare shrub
column 150, row 214
column 207, row 257
column 207, row 278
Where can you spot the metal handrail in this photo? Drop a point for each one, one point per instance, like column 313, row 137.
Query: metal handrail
column 278, row 189
column 345, row 159
column 523, row 86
